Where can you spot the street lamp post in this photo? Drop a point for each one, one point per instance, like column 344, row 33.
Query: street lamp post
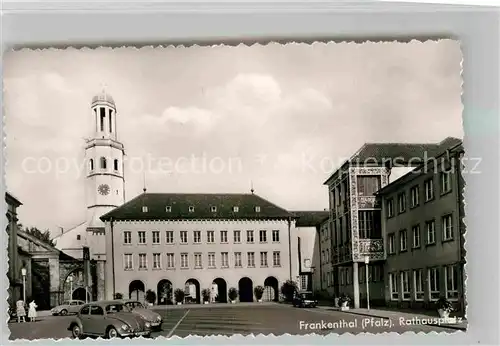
column 312, row 279
column 367, row 261
column 23, row 273
column 70, row 286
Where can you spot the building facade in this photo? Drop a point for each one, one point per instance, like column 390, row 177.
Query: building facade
column 162, row 242
column 423, row 229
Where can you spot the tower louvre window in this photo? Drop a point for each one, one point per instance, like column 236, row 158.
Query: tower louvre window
column 110, row 120
column 91, row 164
column 116, row 164
column 191, row 209
column 103, row 162
column 102, row 112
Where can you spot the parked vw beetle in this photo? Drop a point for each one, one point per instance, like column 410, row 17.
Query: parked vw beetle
column 68, row 307
column 147, row 314
column 304, row 299
column 108, row 319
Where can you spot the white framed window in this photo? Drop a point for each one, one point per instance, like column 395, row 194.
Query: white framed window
column 127, row 237
column 391, row 242
column 184, row 237
column 237, row 259
column 303, row 282
column 169, row 237
column 213, row 209
column 445, row 182
column 416, row 236
column 263, row 236
column 223, row 236
column 402, row 202
column 276, row 259
column 197, row 237
column 210, row 237
column 184, row 260
column 257, row 209
column 156, row 237
column 168, row 209
column 451, row 277
column 156, row 261
column 142, row 237
column 128, row 261
column 429, row 189
column 143, row 261
column 434, row 291
column 430, row 227
column 249, row 236
column 418, row 282
column 414, row 192
column 447, row 222
column 211, row 259
column 263, row 259
column 237, row 237
column 251, row 259
column 390, row 208
column 276, row 236
column 144, row 209
column 393, row 283
column 197, row 260
column 191, row 209
column 236, row 209
column 405, row 285
column 170, row 261
column 403, row 240
column 224, row 259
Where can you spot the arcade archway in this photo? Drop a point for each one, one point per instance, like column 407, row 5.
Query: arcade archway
column 136, row 290
column 164, row 292
column 245, row 289
column 221, row 290
column 271, row 289
column 81, row 294
column 193, row 291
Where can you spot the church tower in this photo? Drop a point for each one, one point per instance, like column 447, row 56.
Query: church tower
column 104, row 175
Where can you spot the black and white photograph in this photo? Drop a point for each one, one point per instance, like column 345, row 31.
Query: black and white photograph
column 235, row 190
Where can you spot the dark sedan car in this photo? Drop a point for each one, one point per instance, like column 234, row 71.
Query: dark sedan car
column 304, row 299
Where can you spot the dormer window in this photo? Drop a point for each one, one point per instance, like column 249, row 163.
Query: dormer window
column 144, row 209
column 214, row 209
column 191, row 209
column 168, row 209
column 236, row 209
column 257, row 209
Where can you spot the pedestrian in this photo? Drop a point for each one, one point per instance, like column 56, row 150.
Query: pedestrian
column 32, row 311
column 20, row 311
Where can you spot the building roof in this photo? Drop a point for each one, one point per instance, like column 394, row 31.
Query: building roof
column 451, row 144
column 377, row 154
column 180, row 203
column 310, row 218
column 9, row 198
column 103, row 97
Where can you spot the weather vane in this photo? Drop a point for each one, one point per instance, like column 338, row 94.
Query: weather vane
column 103, row 87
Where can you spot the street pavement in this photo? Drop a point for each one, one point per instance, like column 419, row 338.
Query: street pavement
column 227, row 320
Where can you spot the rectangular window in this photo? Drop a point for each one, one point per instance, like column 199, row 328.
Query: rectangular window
column 390, row 208
column 393, row 283
column 170, row 261
column 403, row 240
column 416, row 236
column 429, row 189
column 223, row 236
column 169, row 237
column 102, row 114
column 224, row 256
column 276, row 236
column 447, row 223
column 127, row 237
column 249, row 236
column 402, row 202
column 143, row 261
column 263, row 236
column 418, row 282
column 303, row 282
column 156, row 261
column 430, row 227
column 237, row 259
column 369, row 224
column 210, row 237
column 263, row 259
column 128, row 262
column 184, row 260
column 405, row 285
column 451, row 277
column 445, row 182
column 184, row 237
column 156, row 237
column 414, row 192
column 237, row 237
column 251, row 259
column 142, row 237
column 276, row 259
column 197, row 260
column 197, row 237
column 434, row 291
column 368, row 184
column 391, row 242
column 211, row 259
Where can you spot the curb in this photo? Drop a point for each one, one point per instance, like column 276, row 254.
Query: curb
column 448, row 326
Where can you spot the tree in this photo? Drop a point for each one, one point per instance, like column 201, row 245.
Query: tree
column 259, row 292
column 43, row 236
column 288, row 290
column 150, row 296
column 118, row 296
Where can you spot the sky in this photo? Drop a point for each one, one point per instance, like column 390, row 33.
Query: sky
column 280, row 118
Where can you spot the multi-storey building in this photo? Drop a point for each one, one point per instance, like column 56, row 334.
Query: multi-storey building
column 162, row 242
column 423, row 229
column 355, row 215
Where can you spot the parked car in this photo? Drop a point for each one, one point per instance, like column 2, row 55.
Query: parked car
column 68, row 307
column 108, row 319
column 304, row 299
column 150, row 316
